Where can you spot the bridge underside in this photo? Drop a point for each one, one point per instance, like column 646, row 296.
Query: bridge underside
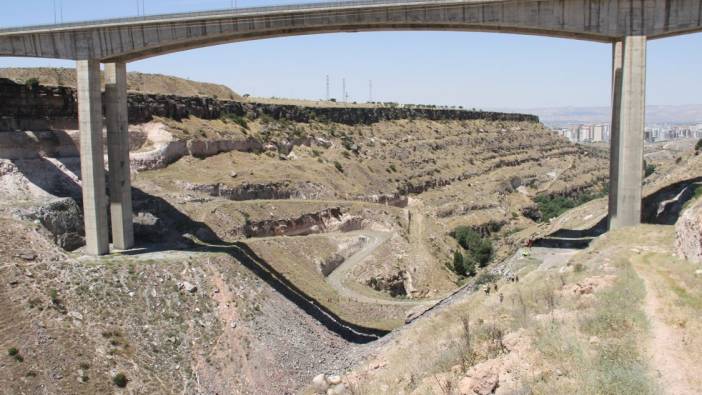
column 131, row 39
column 627, row 24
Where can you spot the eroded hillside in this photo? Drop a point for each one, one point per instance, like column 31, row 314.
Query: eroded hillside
column 275, row 242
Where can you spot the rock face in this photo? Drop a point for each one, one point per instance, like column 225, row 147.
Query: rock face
column 688, row 232
column 268, row 191
column 64, row 219
column 328, row 220
column 39, row 107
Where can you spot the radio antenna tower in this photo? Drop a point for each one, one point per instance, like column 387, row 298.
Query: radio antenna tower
column 328, row 88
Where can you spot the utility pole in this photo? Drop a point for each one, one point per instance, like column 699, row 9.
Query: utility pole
column 328, row 88
column 343, row 90
column 55, row 13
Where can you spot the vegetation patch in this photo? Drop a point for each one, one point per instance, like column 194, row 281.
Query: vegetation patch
column 478, row 247
column 600, row 352
column 237, row 119
column 120, row 380
column 552, row 206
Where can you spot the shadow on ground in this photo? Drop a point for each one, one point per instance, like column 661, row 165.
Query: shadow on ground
column 662, row 207
column 158, row 220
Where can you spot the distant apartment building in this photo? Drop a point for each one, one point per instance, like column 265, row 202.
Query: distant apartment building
column 595, row 133
column 586, row 133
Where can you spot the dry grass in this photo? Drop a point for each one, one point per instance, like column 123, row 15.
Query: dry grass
column 589, row 344
column 136, row 82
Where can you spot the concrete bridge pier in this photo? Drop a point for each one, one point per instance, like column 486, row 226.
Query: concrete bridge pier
column 92, row 163
column 627, row 131
column 118, row 155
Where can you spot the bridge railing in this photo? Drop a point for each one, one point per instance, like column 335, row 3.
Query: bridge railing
column 228, row 11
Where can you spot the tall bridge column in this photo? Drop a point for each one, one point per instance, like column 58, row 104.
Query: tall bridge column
column 92, row 163
column 627, row 131
column 118, row 155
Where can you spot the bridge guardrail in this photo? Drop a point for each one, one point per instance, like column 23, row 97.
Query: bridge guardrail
column 228, row 11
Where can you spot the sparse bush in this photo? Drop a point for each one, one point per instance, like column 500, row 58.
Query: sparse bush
column 554, row 206
column 32, row 82
column 486, row 278
column 649, row 169
column 339, row 167
column 53, row 294
column 237, row 119
column 479, row 248
column 120, row 380
column 393, row 168
column 15, row 354
column 698, row 146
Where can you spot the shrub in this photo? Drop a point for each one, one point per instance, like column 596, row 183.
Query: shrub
column 53, row 294
column 120, row 380
column 14, row 353
column 649, row 169
column 463, row 265
column 479, row 248
column 458, row 263
column 698, row 146
column 486, row 278
column 339, row 167
column 32, row 83
column 554, row 206
column 239, row 120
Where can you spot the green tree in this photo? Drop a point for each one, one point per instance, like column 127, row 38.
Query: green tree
column 479, row 248
column 458, row 263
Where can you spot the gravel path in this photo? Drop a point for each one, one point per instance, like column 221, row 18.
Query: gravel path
column 337, row 278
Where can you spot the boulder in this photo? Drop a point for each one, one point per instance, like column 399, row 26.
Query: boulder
column 63, row 218
column 187, row 287
column 339, row 389
column 688, row 233
column 319, row 383
column 481, row 382
column 334, row 379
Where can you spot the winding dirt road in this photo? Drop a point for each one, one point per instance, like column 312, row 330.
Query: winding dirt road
column 338, row 277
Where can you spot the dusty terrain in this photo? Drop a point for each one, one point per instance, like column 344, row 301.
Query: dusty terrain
column 136, row 82
column 272, row 251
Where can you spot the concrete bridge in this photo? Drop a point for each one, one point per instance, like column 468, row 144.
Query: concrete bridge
column 625, row 24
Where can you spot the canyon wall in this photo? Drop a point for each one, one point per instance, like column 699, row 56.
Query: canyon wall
column 37, row 107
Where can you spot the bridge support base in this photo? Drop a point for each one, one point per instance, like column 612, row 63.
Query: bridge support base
column 92, row 157
column 118, row 155
column 627, row 131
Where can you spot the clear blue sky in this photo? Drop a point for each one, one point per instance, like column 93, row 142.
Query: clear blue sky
column 471, row 69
